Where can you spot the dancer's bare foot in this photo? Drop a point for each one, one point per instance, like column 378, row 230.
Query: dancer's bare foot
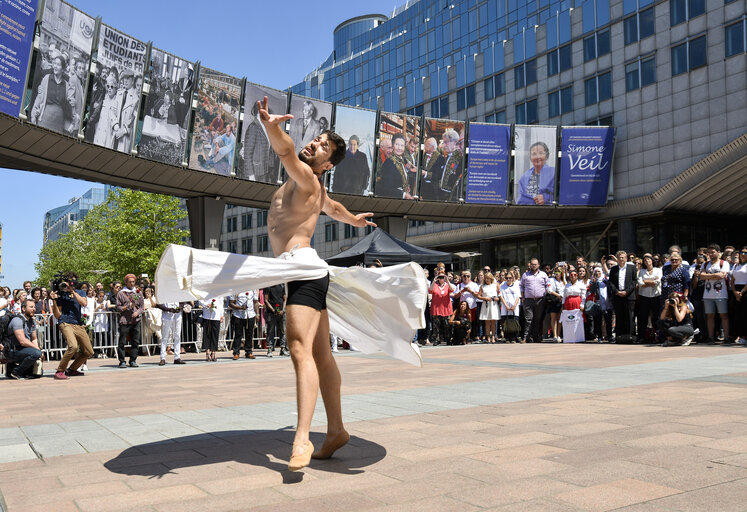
column 301, row 455
column 332, row 443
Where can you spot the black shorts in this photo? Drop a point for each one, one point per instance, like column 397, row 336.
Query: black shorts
column 311, row 293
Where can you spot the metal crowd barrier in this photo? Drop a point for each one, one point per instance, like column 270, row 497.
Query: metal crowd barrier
column 104, row 335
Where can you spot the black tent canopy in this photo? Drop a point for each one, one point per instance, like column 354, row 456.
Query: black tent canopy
column 380, row 245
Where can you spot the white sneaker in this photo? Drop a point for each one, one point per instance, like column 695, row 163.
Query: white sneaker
column 83, row 368
column 688, row 340
column 334, row 348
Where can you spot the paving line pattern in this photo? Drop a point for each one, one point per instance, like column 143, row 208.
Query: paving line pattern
column 88, row 436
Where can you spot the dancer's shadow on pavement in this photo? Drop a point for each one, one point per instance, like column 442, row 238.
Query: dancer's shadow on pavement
column 267, row 448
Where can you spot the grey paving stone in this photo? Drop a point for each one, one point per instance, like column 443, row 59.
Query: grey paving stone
column 101, row 441
column 11, row 433
column 55, row 446
column 33, row 431
column 16, row 452
column 81, row 426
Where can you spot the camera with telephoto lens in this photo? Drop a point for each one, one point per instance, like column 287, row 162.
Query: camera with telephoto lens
column 64, row 282
column 673, row 302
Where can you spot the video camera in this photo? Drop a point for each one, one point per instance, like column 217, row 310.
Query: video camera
column 61, row 280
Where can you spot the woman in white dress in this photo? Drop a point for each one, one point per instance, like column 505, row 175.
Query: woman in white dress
column 510, row 297
column 101, row 319
column 490, row 312
column 109, row 113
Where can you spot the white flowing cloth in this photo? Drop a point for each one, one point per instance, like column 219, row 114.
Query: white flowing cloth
column 372, row 308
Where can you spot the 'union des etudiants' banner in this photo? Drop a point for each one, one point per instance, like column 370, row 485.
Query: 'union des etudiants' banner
column 585, row 165
column 487, row 169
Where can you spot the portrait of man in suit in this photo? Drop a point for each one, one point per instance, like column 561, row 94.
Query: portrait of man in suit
column 305, row 128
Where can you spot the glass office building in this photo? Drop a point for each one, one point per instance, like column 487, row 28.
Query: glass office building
column 60, row 220
column 670, row 75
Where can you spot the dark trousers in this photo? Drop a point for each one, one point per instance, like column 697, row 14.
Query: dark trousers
column 440, row 329
column 534, row 314
column 274, row 330
column 475, row 315
column 624, row 314
column 648, row 307
column 243, row 328
column 133, row 331
column 608, row 323
column 24, row 359
column 699, row 319
column 593, row 325
column 740, row 307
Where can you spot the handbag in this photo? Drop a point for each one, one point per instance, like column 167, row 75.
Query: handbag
column 551, row 298
column 37, row 370
column 511, row 325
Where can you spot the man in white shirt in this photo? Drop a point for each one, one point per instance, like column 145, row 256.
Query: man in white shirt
column 467, row 291
column 244, row 307
column 715, row 295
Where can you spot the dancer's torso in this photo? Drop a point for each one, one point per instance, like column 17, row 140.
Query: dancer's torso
column 292, row 217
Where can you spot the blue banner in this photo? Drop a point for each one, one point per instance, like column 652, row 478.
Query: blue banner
column 487, row 166
column 17, row 19
column 585, row 165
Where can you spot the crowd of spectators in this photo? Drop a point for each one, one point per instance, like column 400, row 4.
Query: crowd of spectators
column 625, row 298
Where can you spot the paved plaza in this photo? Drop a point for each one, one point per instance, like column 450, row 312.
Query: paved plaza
column 485, row 427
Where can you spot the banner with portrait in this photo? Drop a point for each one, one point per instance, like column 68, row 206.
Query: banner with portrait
column 213, row 143
column 398, row 156
column 257, row 160
column 60, row 77
column 16, row 37
column 163, row 132
column 534, row 164
column 487, row 168
column 585, row 164
column 357, row 127
column 442, row 171
column 310, row 118
column 112, row 110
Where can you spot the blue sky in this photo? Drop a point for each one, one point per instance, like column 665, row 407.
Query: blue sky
column 271, row 43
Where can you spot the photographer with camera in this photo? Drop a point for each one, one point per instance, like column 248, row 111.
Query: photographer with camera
column 675, row 322
column 20, row 338
column 67, row 302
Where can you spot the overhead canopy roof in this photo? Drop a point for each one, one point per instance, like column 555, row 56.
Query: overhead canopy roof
column 380, row 245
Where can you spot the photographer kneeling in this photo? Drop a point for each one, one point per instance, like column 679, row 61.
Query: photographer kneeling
column 66, row 304
column 21, row 335
column 675, row 322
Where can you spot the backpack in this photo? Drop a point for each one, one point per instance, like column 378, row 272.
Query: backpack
column 7, row 339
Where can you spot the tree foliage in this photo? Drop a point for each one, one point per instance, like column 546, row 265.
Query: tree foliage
column 125, row 234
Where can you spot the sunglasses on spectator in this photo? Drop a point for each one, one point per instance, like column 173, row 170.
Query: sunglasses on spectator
column 573, row 274
column 743, row 253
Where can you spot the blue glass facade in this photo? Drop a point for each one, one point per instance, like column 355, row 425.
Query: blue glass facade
column 58, row 221
column 415, row 49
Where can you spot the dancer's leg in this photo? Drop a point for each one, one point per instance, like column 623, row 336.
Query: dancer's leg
column 302, row 325
column 329, row 382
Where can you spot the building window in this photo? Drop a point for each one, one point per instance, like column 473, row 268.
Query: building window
column 689, row 55
column 440, row 107
column 466, row 97
column 681, row 11
column 330, row 231
column 263, row 244
column 231, row 223
column 526, row 113
column 495, row 86
column 596, row 45
column 498, row 117
column 415, row 111
column 598, row 88
column 232, row 246
column 246, row 221
column 246, row 246
column 736, row 38
column 560, row 101
column 525, row 74
column 350, row 231
column 369, row 230
column 639, row 26
column 600, row 121
column 640, row 73
column 559, row 60
column 261, row 218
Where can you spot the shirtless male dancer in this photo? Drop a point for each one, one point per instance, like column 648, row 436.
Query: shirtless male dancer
column 293, row 214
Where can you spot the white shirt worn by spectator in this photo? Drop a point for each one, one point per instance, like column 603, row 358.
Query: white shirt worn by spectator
column 621, row 278
column 245, row 299
column 212, row 308
column 644, row 275
column 510, row 294
column 574, row 290
column 555, row 286
column 469, row 295
column 740, row 274
column 716, row 288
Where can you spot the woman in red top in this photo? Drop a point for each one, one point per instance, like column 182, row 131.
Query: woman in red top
column 441, row 309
